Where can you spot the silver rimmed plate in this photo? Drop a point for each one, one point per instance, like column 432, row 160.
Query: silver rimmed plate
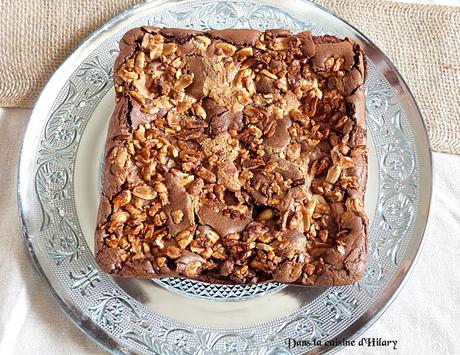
column 58, row 193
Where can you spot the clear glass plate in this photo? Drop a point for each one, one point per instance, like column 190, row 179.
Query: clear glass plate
column 58, row 189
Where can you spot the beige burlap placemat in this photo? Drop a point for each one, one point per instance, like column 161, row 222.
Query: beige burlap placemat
column 422, row 41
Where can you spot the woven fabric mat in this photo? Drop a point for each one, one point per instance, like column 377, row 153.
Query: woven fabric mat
column 421, row 40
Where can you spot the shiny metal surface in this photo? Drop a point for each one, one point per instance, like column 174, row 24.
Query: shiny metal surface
column 58, row 192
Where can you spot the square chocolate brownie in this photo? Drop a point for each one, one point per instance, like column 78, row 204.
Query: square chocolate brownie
column 236, row 156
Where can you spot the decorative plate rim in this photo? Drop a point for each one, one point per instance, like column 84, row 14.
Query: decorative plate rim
column 97, row 333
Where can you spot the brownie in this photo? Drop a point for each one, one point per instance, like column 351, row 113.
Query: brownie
column 236, row 156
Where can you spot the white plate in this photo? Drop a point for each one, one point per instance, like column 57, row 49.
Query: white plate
column 59, row 178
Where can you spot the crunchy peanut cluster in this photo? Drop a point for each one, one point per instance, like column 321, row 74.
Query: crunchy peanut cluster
column 238, row 162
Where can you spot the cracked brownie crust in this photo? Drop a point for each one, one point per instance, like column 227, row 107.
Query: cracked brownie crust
column 236, row 156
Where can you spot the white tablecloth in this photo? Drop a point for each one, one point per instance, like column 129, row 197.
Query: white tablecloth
column 424, row 318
